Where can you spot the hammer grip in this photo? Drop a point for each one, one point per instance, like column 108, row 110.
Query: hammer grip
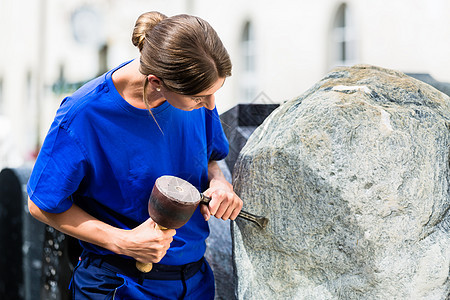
column 258, row 220
column 145, row 268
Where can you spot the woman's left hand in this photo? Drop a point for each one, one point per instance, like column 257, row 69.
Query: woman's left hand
column 224, row 204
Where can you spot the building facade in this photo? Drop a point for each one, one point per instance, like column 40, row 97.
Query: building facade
column 279, row 49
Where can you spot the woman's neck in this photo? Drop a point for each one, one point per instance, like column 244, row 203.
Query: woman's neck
column 129, row 82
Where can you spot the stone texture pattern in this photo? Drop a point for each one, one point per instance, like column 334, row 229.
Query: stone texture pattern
column 354, row 177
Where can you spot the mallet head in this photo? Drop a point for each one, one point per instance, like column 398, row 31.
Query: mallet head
column 172, row 201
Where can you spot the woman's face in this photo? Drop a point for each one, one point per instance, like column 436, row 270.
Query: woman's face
column 203, row 99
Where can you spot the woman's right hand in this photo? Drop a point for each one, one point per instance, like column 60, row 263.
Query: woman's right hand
column 146, row 243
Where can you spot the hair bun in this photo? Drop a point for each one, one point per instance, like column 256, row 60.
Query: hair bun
column 144, row 24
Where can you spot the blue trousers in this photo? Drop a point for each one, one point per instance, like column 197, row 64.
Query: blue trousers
column 94, row 278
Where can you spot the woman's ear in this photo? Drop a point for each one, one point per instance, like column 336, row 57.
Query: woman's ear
column 154, row 82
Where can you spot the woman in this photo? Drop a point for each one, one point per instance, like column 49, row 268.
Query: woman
column 113, row 138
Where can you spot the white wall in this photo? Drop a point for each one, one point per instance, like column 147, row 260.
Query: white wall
column 411, row 36
column 292, row 39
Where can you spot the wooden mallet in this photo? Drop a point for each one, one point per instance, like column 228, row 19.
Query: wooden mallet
column 172, row 203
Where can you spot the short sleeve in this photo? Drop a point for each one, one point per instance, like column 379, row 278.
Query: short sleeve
column 58, row 171
column 217, row 141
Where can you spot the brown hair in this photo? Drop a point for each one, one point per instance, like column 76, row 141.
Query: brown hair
column 183, row 51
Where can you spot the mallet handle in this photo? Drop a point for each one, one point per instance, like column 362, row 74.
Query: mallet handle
column 259, row 220
column 145, row 268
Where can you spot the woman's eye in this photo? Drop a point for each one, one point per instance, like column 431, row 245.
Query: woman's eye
column 197, row 99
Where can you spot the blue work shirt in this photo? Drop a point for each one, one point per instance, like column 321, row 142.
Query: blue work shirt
column 104, row 155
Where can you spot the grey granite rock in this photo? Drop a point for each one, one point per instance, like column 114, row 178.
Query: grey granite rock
column 354, row 177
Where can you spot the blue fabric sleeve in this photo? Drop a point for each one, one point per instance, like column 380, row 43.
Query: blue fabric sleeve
column 58, row 171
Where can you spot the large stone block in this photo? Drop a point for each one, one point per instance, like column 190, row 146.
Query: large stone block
column 354, row 177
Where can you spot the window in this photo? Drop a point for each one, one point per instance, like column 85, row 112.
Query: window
column 248, row 50
column 103, row 59
column 29, row 94
column 343, row 45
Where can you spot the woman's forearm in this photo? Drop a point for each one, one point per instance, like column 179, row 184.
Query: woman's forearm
column 79, row 224
column 145, row 243
column 215, row 173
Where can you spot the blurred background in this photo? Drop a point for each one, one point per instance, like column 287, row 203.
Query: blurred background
column 278, row 48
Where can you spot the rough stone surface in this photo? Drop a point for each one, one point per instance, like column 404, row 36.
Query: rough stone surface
column 354, row 178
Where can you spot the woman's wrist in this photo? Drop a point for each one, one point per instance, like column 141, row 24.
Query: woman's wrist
column 117, row 241
column 221, row 183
